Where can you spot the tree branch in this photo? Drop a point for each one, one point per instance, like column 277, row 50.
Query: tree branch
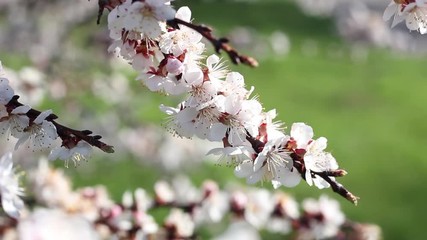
column 65, row 133
column 218, row 43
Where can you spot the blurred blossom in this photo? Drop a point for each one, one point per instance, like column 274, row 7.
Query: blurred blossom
column 215, row 204
column 259, row 207
column 180, row 224
column 280, row 43
column 164, row 192
column 155, row 146
column 50, row 186
column 29, row 83
column 249, row 40
column 49, row 224
column 359, row 24
column 310, row 48
column 42, row 26
column 185, row 191
column 10, row 191
column 112, row 89
column 239, row 230
column 57, row 89
column 319, row 8
column 286, row 210
column 325, row 217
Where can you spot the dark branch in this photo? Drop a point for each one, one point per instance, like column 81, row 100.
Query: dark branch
column 337, row 187
column 218, row 43
column 65, row 133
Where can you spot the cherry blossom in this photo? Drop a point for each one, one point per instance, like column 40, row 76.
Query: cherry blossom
column 41, row 133
column 81, row 151
column 16, row 122
column 414, row 12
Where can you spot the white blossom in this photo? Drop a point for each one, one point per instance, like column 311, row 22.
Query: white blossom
column 273, row 164
column 317, row 160
column 81, row 151
column 181, row 40
column 41, row 132
column 414, row 12
column 148, row 17
column 16, row 122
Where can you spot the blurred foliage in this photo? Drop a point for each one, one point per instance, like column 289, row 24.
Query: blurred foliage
column 372, row 111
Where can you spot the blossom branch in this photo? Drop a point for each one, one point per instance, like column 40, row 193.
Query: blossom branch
column 69, row 136
column 337, row 187
column 218, row 43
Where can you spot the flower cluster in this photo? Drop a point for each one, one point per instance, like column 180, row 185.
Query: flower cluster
column 166, row 50
column 89, row 212
column 414, row 12
column 39, row 130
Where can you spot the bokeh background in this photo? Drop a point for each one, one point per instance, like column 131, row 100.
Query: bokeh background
column 333, row 64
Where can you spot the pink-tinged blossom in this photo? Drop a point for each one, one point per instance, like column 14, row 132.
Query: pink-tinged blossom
column 414, row 12
column 174, row 66
column 214, row 204
column 116, row 19
column 148, row 17
column 237, row 119
column 302, row 134
column 201, row 92
column 234, row 84
column 191, row 121
column 10, row 192
column 181, row 40
column 42, row 133
column 273, row 164
column 286, row 211
column 81, row 151
column 180, row 223
column 259, row 207
column 329, row 217
column 164, row 192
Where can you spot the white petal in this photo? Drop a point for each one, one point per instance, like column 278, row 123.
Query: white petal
column 256, row 177
column 21, row 109
column 42, row 116
column 390, row 11
column 11, row 207
column 184, row 13
column 302, row 133
column 289, row 178
column 244, row 170
column 217, row 132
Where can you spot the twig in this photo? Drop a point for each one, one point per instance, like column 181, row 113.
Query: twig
column 338, row 187
column 218, row 43
column 65, row 133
